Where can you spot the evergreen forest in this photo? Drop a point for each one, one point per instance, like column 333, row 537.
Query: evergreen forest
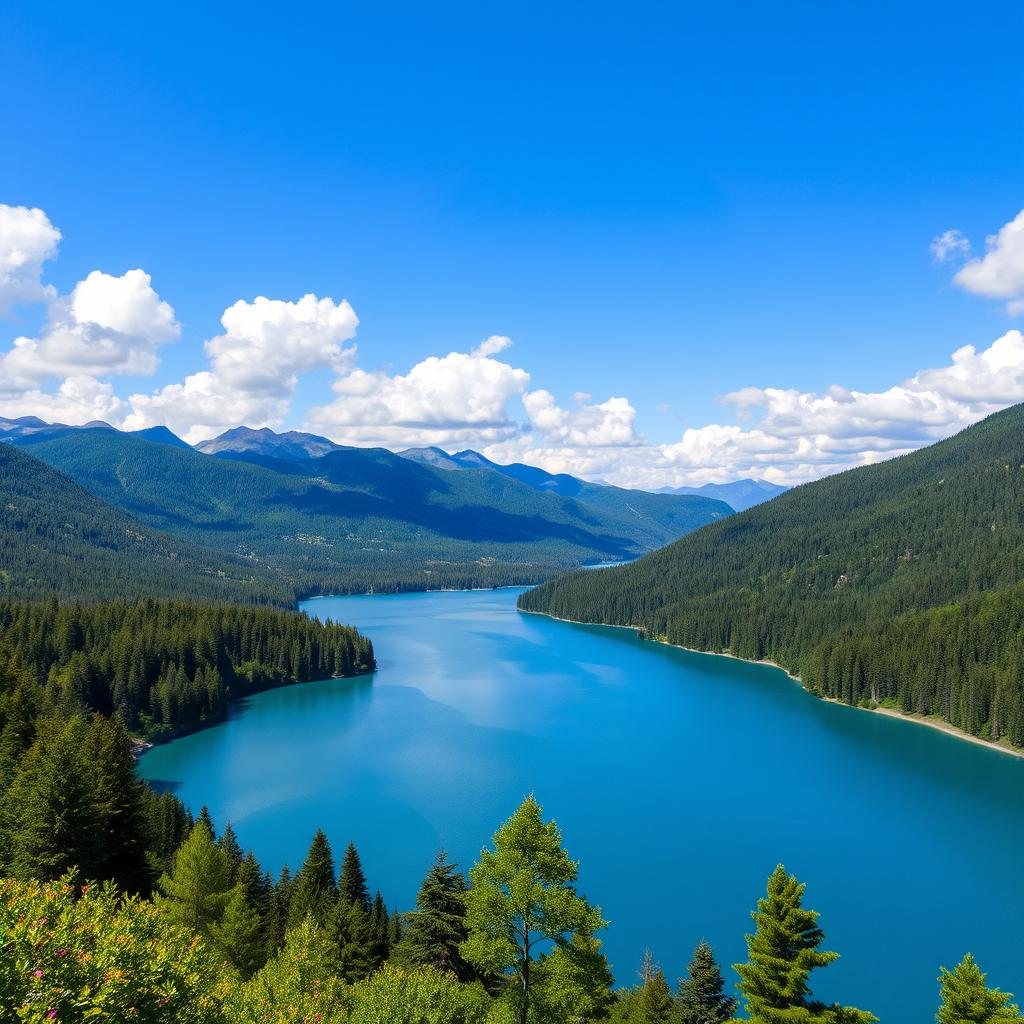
column 898, row 585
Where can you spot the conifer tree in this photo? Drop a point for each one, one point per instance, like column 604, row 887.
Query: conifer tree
column 436, row 929
column 352, row 886
column 237, row 934
column 196, row 890
column 50, row 810
column 379, row 931
column 120, row 798
column 701, row 998
column 654, row 1005
column 782, row 953
column 967, row 1000
column 228, row 842
column 523, row 902
column 314, row 891
column 352, row 933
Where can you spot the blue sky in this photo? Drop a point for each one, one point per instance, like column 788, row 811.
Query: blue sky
column 660, row 203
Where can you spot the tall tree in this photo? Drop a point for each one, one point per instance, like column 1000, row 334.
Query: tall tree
column 967, row 1000
column 196, row 890
column 782, row 953
column 352, row 886
column 701, row 998
column 436, row 929
column 655, row 1004
column 523, row 903
column 238, row 933
column 120, row 798
column 315, row 891
column 52, row 820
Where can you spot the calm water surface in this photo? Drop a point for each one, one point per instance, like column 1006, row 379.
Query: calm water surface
column 679, row 781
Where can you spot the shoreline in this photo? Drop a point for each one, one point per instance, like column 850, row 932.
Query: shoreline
column 938, row 724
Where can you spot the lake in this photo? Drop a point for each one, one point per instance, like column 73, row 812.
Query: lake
column 679, row 781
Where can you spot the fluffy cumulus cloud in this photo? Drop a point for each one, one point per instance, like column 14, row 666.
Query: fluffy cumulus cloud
column 999, row 274
column 79, row 399
column 607, row 424
column 27, row 241
column 455, row 400
column 255, row 366
column 107, row 325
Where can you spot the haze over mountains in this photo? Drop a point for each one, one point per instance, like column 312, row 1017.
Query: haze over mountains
column 740, row 494
column 304, row 515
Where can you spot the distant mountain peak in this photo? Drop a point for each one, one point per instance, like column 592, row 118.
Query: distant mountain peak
column 291, row 445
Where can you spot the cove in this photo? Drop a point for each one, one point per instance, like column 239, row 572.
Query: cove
column 679, row 781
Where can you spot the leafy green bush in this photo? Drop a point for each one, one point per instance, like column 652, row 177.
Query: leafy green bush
column 70, row 954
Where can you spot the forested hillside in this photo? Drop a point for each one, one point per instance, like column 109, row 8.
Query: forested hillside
column 58, row 540
column 163, row 666
column 898, row 584
column 356, row 519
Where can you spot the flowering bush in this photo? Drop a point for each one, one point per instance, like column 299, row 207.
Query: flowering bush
column 77, row 954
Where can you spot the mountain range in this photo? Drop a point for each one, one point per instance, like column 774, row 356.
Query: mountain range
column 740, row 494
column 309, row 516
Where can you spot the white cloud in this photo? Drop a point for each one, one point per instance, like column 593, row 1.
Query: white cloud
column 608, row 424
column 492, row 346
column 999, row 274
column 107, row 325
column 948, row 245
column 27, row 241
column 79, row 399
column 785, row 435
column 255, row 366
column 453, row 400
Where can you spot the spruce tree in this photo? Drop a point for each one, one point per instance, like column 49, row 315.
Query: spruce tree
column 782, row 953
column 436, row 929
column 314, row 891
column 967, row 1000
column 238, row 933
column 523, row 906
column 352, row 933
column 120, row 798
column 701, row 998
column 229, row 843
column 196, row 890
column 654, row 1005
column 50, row 811
column 352, row 886
column 379, row 931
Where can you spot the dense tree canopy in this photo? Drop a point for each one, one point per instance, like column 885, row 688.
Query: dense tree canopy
column 899, row 584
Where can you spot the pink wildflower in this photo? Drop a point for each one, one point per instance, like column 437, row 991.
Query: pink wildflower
column 62, row 952
column 38, row 973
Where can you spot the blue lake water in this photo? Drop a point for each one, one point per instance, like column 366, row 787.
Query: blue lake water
column 679, row 781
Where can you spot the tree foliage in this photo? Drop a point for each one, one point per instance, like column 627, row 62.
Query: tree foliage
column 899, row 584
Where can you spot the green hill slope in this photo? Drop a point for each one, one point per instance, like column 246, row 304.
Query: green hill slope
column 58, row 540
column 899, row 583
column 355, row 519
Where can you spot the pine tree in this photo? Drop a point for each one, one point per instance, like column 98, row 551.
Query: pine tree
column 237, row 933
column 120, row 798
column 655, row 1005
column 196, row 890
column 966, row 999
column 314, row 892
column 352, row 886
column 50, row 810
column 702, row 998
column 379, row 945
column 523, row 902
column 228, row 842
column 783, row 951
column 352, row 934
column 436, row 929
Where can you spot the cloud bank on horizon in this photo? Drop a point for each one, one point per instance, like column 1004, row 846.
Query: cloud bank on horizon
column 109, row 327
